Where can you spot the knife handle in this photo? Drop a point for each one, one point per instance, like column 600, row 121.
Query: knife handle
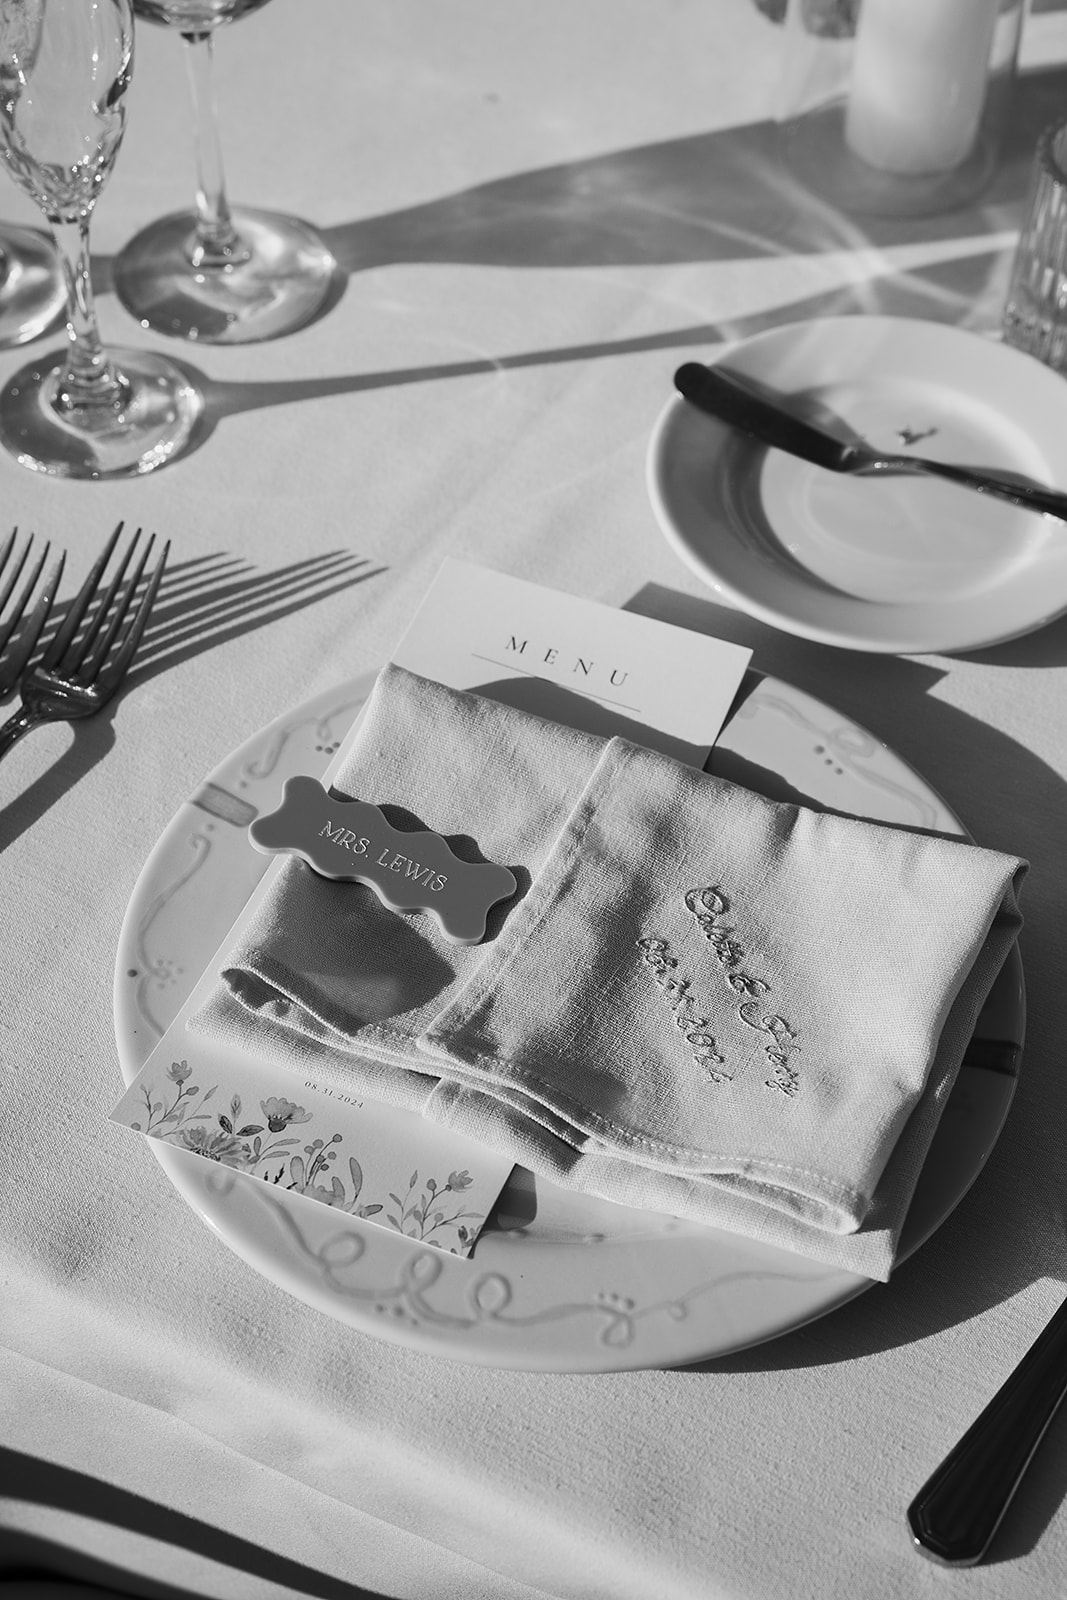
column 957, row 1511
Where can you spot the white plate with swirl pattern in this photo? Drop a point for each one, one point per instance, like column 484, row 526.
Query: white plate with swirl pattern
column 557, row 1281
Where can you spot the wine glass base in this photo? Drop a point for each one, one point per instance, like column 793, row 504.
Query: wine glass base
column 33, row 294
column 156, row 424
column 286, row 280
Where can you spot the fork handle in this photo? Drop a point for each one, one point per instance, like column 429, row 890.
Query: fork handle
column 957, row 1511
column 1051, row 502
column 15, row 726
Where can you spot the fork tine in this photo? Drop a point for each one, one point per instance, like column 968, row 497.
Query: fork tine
column 110, row 679
column 83, row 649
column 6, row 551
column 22, row 600
column 89, row 665
column 15, row 664
column 78, row 607
column 16, row 571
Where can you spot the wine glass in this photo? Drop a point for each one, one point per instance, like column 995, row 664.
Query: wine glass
column 65, row 66
column 32, row 290
column 216, row 274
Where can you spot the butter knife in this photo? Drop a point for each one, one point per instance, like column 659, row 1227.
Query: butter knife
column 733, row 400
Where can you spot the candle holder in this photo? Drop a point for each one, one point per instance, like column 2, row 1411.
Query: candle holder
column 897, row 107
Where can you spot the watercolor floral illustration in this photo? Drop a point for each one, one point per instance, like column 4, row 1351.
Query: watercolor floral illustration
column 420, row 1218
column 261, row 1142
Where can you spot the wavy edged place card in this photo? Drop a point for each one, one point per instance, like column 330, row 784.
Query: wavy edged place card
column 306, row 1137
column 351, row 841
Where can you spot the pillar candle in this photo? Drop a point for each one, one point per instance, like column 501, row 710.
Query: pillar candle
column 919, row 82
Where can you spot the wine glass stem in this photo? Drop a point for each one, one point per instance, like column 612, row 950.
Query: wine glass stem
column 216, row 243
column 89, row 382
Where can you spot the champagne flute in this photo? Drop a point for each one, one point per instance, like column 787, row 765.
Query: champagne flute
column 32, row 291
column 218, row 274
column 65, row 66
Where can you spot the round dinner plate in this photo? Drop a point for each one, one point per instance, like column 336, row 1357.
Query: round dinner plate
column 902, row 564
column 557, row 1281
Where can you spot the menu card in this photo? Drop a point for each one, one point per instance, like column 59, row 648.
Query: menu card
column 557, row 656
column 574, row 661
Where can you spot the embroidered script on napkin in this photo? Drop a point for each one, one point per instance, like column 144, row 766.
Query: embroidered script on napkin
column 709, row 905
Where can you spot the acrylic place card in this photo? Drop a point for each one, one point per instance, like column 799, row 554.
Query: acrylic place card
column 306, row 1137
column 574, row 661
column 329, row 835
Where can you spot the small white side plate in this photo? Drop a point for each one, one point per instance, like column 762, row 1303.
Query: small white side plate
column 902, row 564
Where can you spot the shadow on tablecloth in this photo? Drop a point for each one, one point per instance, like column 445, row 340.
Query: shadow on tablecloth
column 27, row 1559
column 726, row 195
column 1010, row 1230
column 203, row 603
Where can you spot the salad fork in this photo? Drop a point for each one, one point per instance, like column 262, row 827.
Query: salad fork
column 13, row 662
column 79, row 673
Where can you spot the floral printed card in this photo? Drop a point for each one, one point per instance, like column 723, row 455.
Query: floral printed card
column 308, row 1138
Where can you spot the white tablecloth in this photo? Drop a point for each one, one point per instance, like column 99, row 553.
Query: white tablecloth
column 540, row 208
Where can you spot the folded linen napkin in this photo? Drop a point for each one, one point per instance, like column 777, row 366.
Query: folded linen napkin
column 323, row 970
column 736, row 1010
column 707, row 1004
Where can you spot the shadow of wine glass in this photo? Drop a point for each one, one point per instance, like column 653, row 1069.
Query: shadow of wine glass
column 945, row 291
column 725, row 195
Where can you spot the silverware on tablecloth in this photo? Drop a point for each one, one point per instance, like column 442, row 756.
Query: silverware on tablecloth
column 957, row 1511
column 14, row 605
column 734, row 400
column 81, row 670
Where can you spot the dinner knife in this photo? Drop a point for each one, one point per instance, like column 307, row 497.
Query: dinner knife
column 727, row 396
column 960, row 1506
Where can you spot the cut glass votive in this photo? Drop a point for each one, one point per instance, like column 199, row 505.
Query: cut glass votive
column 1035, row 311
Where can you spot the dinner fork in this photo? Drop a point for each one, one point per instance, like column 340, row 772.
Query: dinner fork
column 13, row 662
column 79, row 673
